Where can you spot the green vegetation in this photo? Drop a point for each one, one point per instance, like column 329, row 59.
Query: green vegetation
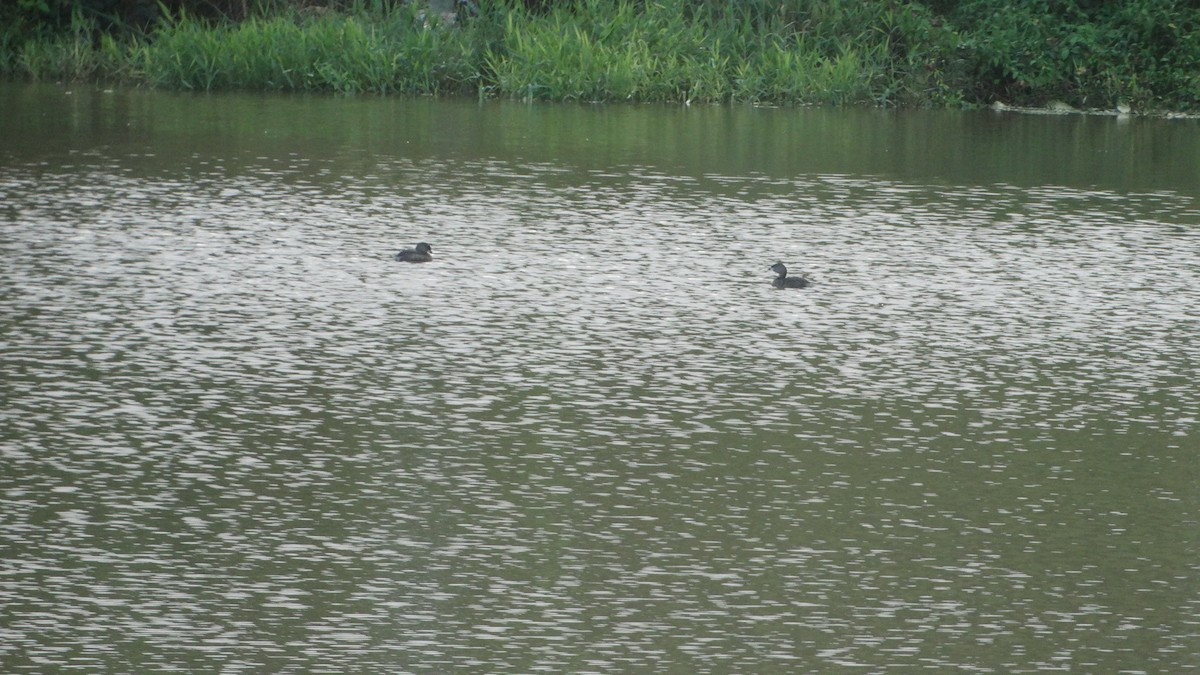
column 330, row 52
column 1088, row 53
column 674, row 50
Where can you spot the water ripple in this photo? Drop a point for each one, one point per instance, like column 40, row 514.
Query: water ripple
column 590, row 437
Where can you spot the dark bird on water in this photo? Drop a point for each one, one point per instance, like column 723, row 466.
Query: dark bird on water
column 421, row 253
column 784, row 281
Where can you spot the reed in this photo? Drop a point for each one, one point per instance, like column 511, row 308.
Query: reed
column 594, row 50
column 75, row 55
column 398, row 53
column 67, row 57
column 590, row 50
column 820, row 52
column 675, row 50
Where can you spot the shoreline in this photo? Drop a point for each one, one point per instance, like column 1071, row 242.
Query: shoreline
column 872, row 54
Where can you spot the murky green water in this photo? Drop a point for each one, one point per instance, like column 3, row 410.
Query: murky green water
column 590, row 437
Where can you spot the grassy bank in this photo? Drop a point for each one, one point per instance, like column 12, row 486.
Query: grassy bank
column 876, row 52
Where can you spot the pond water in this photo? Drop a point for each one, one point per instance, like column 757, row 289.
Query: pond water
column 236, row 436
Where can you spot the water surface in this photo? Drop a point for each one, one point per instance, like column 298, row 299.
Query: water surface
column 590, row 437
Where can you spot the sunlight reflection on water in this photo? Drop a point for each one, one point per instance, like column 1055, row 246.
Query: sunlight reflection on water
column 590, row 436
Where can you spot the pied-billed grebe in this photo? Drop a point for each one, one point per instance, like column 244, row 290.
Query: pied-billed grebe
column 784, row 281
column 419, row 254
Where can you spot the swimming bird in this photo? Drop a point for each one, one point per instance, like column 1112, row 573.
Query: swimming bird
column 419, row 254
column 784, row 281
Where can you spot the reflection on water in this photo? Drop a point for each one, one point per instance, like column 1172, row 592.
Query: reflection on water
column 590, row 437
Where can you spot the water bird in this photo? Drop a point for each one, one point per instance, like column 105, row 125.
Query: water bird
column 421, row 253
column 784, row 281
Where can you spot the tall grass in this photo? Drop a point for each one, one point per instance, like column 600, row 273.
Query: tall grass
column 78, row 54
column 780, row 51
column 838, row 52
column 396, row 53
column 674, row 50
